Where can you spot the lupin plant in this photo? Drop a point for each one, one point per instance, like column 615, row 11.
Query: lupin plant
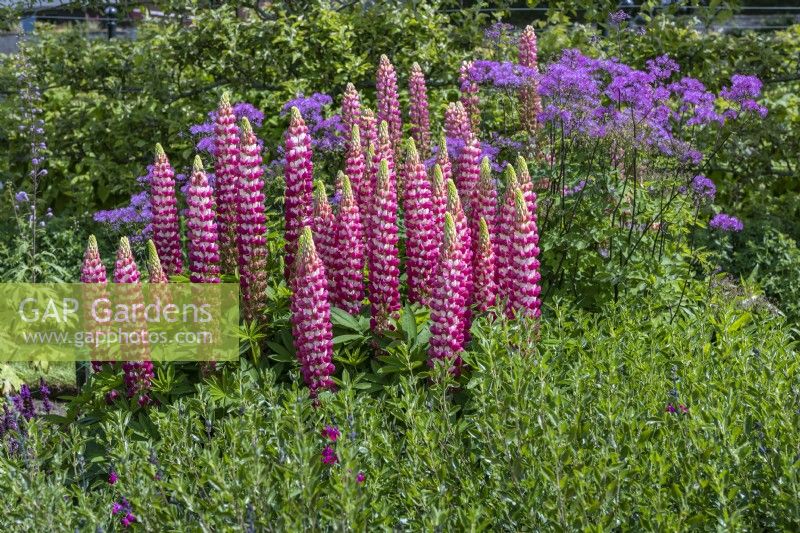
column 504, row 232
column 421, row 230
column 418, row 112
column 530, row 103
column 226, row 173
column 368, row 128
column 469, row 95
column 323, row 230
column 526, row 186
column 164, row 209
column 443, row 160
column 483, row 269
column 438, row 197
column 351, row 111
column 468, row 171
column 125, row 269
column 368, row 182
column 355, row 166
column 456, row 122
column 384, row 148
column 298, row 174
column 251, row 238
column 455, row 210
column 312, row 332
column 348, row 260
column 382, row 253
column 484, row 201
column 388, row 101
column 155, row 269
column 448, row 306
column 201, row 228
column 524, row 289
column 93, row 270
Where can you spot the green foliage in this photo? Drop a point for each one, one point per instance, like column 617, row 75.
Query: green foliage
column 565, row 427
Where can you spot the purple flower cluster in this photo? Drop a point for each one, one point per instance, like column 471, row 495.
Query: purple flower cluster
column 498, row 32
column 725, row 222
column 599, row 97
column 455, row 145
column 327, row 134
column 500, row 74
column 136, row 214
column 703, row 187
column 206, row 130
column 575, row 189
column 125, row 511
column 618, row 17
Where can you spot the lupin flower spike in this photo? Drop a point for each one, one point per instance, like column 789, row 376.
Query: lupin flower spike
column 523, row 298
column 456, row 122
column 156, row 271
column 388, row 101
column 251, row 238
column 469, row 95
column 93, row 270
column 226, row 172
column 384, row 262
column 526, row 185
column 202, row 228
column 351, row 110
column 420, row 118
column 468, row 171
column 443, row 160
column 462, row 230
column 421, row 230
column 348, row 261
column 323, row 231
column 484, row 269
column 164, row 209
column 355, row 167
column 438, row 196
column 125, row 269
column 369, row 128
column 448, row 306
column 298, row 174
column 311, row 319
column 505, row 232
column 529, row 99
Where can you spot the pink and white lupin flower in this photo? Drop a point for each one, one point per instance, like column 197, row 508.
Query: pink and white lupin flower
column 504, row 233
column 351, row 110
column 298, row 174
column 468, row 172
column 93, row 270
column 354, row 167
column 154, row 267
column 348, row 261
column 369, row 128
column 382, row 254
column 251, row 219
column 418, row 112
column 469, row 95
column 456, row 122
column 523, row 296
column 164, row 208
column 464, row 234
column 443, row 160
column 529, row 99
column 323, row 230
column 484, row 200
column 226, row 172
column 526, row 186
column 388, row 101
column 438, row 197
column 202, row 228
column 483, row 269
column 421, row 231
column 312, row 332
column 448, row 306
column 125, row 269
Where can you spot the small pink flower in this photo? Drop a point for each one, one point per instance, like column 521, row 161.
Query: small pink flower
column 112, row 478
column 670, row 409
column 331, row 432
column 329, row 456
column 361, row 477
